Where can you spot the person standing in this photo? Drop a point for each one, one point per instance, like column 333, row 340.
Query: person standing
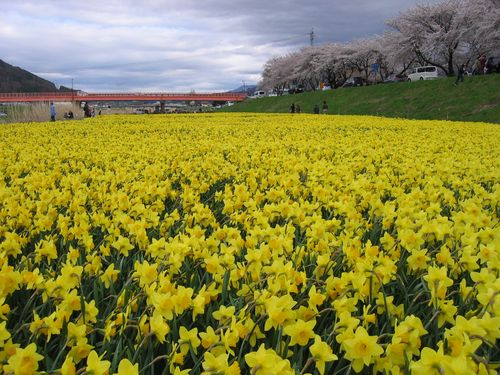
column 460, row 75
column 52, row 112
column 325, row 107
column 481, row 64
column 316, row 109
column 86, row 110
column 292, row 108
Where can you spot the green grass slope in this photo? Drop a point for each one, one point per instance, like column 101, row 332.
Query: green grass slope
column 476, row 99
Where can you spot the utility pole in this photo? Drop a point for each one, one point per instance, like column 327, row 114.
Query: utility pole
column 311, row 36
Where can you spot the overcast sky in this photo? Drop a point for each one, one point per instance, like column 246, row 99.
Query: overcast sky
column 174, row 46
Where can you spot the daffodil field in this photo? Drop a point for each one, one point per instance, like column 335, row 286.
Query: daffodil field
column 249, row 244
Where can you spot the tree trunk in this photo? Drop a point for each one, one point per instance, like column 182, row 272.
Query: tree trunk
column 451, row 70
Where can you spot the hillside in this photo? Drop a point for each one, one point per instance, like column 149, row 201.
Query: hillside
column 477, row 99
column 249, row 89
column 14, row 79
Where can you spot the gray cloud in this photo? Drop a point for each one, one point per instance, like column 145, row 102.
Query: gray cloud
column 126, row 45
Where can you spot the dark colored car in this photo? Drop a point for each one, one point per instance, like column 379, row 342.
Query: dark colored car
column 493, row 64
column 353, row 82
column 296, row 89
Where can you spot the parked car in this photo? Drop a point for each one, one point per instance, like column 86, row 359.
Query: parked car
column 353, row 82
column 493, row 64
column 423, row 72
column 3, row 114
column 296, row 89
column 258, row 94
column 393, row 78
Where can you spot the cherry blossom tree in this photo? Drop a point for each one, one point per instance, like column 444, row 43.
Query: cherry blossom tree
column 304, row 73
column 446, row 35
column 277, row 73
column 442, row 33
column 480, row 21
column 363, row 54
column 397, row 54
column 330, row 64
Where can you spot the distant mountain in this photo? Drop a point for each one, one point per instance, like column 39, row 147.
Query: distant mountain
column 250, row 89
column 14, row 79
column 64, row 88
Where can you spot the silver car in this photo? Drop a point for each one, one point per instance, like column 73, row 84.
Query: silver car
column 423, row 72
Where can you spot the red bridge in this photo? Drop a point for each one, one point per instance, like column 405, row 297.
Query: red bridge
column 80, row 96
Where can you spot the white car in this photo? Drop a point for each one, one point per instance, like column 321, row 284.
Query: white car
column 423, row 72
column 258, row 94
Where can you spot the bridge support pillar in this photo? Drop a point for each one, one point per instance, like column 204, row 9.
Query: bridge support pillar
column 162, row 106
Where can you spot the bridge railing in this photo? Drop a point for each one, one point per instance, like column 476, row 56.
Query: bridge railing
column 84, row 94
column 161, row 95
column 36, row 94
column 81, row 96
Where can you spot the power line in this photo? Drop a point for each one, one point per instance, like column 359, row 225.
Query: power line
column 138, row 64
column 293, row 37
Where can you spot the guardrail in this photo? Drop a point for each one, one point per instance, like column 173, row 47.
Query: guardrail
column 35, row 94
column 84, row 96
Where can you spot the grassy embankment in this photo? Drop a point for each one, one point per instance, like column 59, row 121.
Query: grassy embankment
column 476, row 99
